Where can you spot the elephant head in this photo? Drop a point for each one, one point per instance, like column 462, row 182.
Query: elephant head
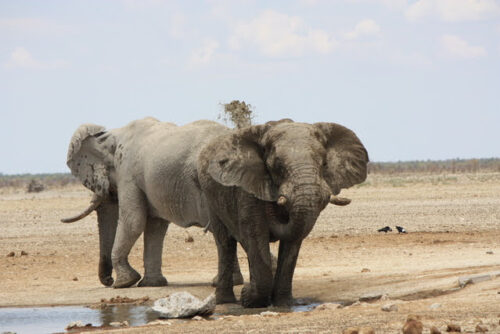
column 297, row 167
column 90, row 158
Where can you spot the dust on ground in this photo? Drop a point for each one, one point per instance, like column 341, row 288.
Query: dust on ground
column 454, row 231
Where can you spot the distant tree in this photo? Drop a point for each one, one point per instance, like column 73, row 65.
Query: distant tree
column 237, row 112
column 35, row 186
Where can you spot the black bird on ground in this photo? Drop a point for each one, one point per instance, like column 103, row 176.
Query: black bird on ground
column 385, row 229
column 401, row 229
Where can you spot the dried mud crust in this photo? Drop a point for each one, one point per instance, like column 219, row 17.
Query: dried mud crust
column 453, row 225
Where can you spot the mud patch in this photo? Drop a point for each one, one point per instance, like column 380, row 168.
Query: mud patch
column 428, row 294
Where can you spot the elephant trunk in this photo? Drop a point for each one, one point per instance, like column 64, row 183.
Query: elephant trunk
column 309, row 195
column 107, row 218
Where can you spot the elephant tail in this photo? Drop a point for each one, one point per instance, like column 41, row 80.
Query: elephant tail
column 94, row 204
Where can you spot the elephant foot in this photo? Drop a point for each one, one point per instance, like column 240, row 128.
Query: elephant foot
column 107, row 281
column 250, row 299
column 153, row 281
column 225, row 297
column 283, row 300
column 127, row 280
column 237, row 279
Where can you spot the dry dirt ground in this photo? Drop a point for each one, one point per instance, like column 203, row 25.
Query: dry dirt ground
column 454, row 230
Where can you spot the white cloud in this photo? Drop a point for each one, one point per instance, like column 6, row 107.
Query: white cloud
column 280, row 35
column 454, row 10
column 21, row 58
column 392, row 4
column 365, row 28
column 204, row 54
column 455, row 47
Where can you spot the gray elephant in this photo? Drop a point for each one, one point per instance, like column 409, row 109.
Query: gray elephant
column 270, row 182
column 143, row 176
column 253, row 185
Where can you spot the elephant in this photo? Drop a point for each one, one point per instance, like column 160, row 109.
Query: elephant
column 143, row 177
column 253, row 185
column 269, row 182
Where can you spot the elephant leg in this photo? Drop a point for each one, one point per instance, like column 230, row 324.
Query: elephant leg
column 226, row 251
column 131, row 223
column 258, row 292
column 154, row 234
column 287, row 259
column 237, row 276
column 107, row 219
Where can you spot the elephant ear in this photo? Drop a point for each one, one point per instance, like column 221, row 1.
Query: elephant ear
column 346, row 157
column 90, row 157
column 237, row 160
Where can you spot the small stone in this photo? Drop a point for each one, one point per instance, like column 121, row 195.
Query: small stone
column 160, row 322
column 413, row 325
column 481, row 328
column 365, row 270
column 75, row 324
column 453, row 328
column 75, row 278
column 328, row 306
column 198, row 318
column 434, row 330
column 390, row 308
column 23, row 253
column 119, row 324
column 269, row 314
column 370, row 297
column 489, row 252
column 188, row 237
column 11, row 254
column 435, row 306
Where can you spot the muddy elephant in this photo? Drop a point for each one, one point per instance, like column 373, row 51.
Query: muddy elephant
column 270, row 182
column 143, row 176
column 254, row 185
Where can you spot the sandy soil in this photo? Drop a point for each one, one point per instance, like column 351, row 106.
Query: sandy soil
column 454, row 230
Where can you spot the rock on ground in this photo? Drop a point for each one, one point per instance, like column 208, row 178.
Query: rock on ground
column 390, row 308
column 184, row 305
column 413, row 325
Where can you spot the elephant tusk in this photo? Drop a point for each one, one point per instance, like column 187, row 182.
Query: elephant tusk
column 339, row 200
column 94, row 204
column 282, row 200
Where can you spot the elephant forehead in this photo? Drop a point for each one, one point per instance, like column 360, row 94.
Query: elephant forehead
column 294, row 137
column 289, row 131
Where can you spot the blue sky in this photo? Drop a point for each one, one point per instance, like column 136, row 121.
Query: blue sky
column 415, row 80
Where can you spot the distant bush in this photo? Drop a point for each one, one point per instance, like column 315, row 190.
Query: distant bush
column 46, row 180
column 35, row 186
column 436, row 166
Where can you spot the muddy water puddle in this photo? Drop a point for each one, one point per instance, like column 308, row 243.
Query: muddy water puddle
column 22, row 320
column 55, row 319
